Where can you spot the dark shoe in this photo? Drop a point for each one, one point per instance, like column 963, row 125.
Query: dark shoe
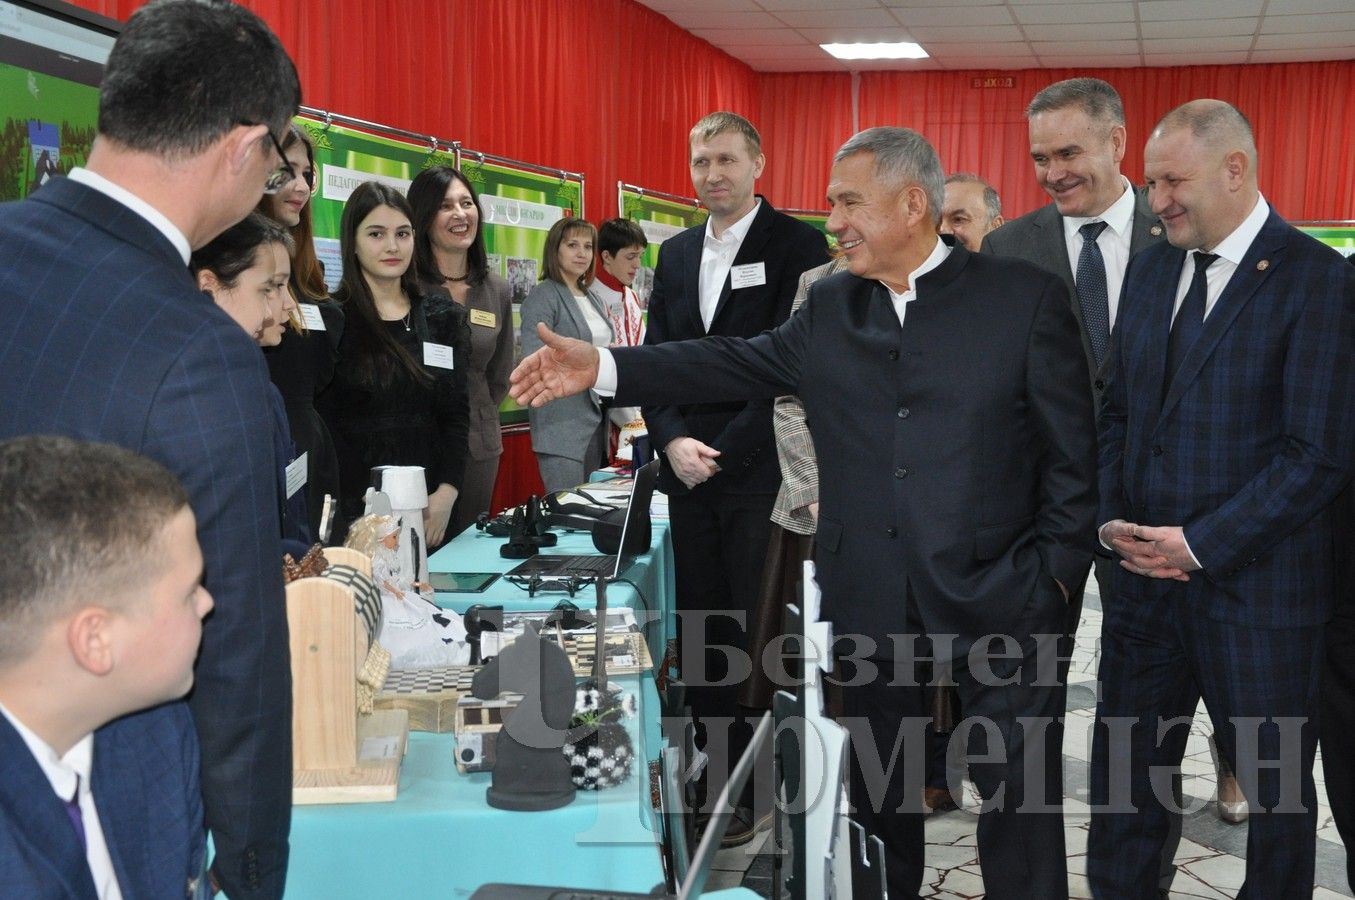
column 743, row 827
column 938, row 799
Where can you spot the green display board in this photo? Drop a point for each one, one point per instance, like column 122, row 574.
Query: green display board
column 1340, row 235
column 660, row 216
column 344, row 159
column 50, row 68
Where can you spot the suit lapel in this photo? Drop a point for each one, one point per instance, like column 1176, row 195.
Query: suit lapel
column 28, row 797
column 691, row 272
column 1239, row 291
column 1146, row 229
column 1053, row 246
column 753, row 249
column 571, row 309
column 120, row 791
column 1160, row 294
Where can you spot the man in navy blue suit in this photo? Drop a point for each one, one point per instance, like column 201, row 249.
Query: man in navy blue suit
column 1228, row 430
column 106, row 337
column 101, row 562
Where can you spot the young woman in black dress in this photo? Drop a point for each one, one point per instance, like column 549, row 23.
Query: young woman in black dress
column 398, row 397
column 302, row 365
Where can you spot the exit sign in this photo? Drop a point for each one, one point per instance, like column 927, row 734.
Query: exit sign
column 992, row 81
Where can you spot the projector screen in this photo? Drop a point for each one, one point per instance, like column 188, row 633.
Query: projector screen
column 52, row 58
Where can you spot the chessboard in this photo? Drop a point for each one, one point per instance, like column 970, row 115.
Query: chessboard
column 430, row 695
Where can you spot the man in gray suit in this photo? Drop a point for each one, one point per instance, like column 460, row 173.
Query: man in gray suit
column 1086, row 236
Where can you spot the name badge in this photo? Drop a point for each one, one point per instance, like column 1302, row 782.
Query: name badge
column 296, row 474
column 439, row 355
column 750, row 275
column 310, row 314
column 481, row 317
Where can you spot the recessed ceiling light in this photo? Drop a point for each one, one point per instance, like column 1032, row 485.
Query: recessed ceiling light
column 895, row 50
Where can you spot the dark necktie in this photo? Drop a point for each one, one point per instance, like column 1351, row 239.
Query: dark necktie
column 73, row 810
column 1189, row 319
column 1092, row 294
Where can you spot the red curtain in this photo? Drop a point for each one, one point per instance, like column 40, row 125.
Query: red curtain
column 609, row 88
column 1303, row 115
column 804, row 117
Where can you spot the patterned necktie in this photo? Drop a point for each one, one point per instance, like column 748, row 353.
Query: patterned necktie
column 1189, row 319
column 1092, row 294
column 73, row 810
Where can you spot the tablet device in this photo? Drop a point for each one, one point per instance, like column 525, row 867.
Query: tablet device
column 461, row 582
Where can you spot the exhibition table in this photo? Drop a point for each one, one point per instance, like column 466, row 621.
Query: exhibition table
column 439, row 838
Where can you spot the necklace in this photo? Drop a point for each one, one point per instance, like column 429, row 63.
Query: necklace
column 405, row 320
column 455, row 277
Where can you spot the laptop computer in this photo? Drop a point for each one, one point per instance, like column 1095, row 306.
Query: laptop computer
column 592, row 565
column 695, row 880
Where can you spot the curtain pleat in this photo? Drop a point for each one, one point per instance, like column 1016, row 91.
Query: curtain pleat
column 610, row 88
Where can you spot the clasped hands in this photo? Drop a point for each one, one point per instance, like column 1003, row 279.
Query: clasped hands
column 1155, row 551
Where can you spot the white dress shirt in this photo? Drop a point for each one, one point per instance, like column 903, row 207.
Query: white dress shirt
column 717, row 257
column 934, row 259
column 137, row 205
column 65, row 773
column 1113, row 241
column 1230, row 251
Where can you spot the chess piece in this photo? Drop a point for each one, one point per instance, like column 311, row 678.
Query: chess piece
column 530, row 770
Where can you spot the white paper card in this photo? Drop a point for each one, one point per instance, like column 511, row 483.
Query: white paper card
column 750, row 275
column 296, row 474
column 379, row 748
column 310, row 314
column 439, row 355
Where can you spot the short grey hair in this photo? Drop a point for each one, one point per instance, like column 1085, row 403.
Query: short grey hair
column 1215, row 123
column 1097, row 99
column 902, row 157
column 992, row 203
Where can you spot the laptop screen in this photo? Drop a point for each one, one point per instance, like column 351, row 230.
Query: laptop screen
column 637, row 508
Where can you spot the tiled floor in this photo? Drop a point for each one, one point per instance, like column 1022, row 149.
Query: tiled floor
column 1209, row 859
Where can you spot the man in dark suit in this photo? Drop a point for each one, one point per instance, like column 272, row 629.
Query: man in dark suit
column 107, row 338
column 100, row 564
column 1228, row 430
column 956, row 487
column 734, row 276
column 1095, row 223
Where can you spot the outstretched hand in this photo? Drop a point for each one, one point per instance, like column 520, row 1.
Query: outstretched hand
column 562, row 368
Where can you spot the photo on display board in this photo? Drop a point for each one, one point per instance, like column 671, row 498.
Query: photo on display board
column 521, row 277
column 495, row 263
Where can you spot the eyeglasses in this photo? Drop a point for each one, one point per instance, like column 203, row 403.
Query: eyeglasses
column 283, row 174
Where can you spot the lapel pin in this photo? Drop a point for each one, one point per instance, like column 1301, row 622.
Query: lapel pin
column 1263, row 265
column 1155, row 231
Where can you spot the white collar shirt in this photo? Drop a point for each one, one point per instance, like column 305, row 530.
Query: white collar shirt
column 65, row 773
column 717, row 257
column 1113, row 241
column 143, row 209
column 934, row 259
column 1230, row 251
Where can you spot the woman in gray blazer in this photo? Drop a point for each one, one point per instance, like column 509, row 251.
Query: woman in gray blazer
column 569, row 436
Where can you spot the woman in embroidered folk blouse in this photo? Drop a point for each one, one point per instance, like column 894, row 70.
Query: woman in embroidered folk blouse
column 399, row 391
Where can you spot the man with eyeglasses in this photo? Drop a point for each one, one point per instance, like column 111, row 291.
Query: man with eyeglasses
column 106, row 338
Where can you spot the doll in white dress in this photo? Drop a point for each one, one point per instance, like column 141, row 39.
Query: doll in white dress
column 417, row 632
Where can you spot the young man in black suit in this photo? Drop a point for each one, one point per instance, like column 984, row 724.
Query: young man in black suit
column 107, row 338
column 733, row 276
column 957, row 461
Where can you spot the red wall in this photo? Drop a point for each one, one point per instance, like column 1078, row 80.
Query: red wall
column 609, row 88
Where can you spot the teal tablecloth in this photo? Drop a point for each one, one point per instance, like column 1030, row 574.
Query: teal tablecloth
column 440, row 839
